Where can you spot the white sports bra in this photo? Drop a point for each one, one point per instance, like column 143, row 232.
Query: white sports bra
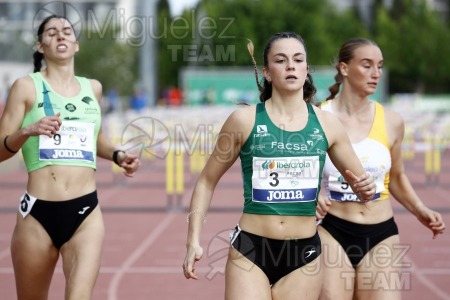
column 374, row 154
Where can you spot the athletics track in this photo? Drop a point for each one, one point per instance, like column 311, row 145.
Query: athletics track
column 145, row 241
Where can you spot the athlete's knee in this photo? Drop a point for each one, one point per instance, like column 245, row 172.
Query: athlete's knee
column 80, row 292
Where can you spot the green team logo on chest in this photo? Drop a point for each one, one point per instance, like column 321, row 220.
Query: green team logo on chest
column 70, row 107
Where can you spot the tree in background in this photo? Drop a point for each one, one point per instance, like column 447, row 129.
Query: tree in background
column 414, row 40
column 239, row 20
column 415, row 43
column 104, row 57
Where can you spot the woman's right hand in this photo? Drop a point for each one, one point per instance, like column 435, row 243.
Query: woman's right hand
column 46, row 126
column 193, row 254
column 323, row 205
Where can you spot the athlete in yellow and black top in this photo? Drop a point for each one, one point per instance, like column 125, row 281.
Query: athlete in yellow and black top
column 360, row 241
column 374, row 152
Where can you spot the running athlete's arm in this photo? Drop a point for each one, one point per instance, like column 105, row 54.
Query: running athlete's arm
column 20, row 100
column 105, row 149
column 229, row 142
column 399, row 184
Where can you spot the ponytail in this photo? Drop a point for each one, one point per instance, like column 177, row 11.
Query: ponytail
column 265, row 90
column 251, row 50
column 334, row 89
column 37, row 61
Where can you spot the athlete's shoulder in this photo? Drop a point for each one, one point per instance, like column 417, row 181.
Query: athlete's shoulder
column 243, row 115
column 324, row 114
column 96, row 88
column 24, row 87
column 24, row 81
column 331, row 125
column 96, row 85
column 393, row 118
column 240, row 122
column 395, row 124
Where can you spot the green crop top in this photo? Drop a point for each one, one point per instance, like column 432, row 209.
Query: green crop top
column 75, row 144
column 282, row 170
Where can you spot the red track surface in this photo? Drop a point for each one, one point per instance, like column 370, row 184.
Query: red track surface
column 145, row 244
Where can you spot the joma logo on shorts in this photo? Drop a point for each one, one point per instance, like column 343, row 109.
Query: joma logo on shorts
column 67, row 154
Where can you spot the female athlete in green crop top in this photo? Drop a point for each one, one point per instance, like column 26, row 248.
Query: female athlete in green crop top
column 54, row 117
column 282, row 144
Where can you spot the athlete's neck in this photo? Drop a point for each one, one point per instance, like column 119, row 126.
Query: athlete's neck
column 351, row 106
column 62, row 80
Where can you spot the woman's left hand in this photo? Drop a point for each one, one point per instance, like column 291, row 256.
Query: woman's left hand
column 130, row 163
column 431, row 219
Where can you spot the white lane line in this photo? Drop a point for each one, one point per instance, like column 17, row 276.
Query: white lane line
column 5, row 253
column 435, row 271
column 427, row 282
column 134, row 256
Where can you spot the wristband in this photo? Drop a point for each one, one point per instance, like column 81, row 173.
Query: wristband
column 115, row 156
column 6, row 146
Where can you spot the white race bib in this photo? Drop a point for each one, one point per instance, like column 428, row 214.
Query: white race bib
column 285, row 179
column 73, row 141
column 340, row 190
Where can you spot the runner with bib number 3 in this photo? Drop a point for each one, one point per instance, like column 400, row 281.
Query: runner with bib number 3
column 282, row 144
